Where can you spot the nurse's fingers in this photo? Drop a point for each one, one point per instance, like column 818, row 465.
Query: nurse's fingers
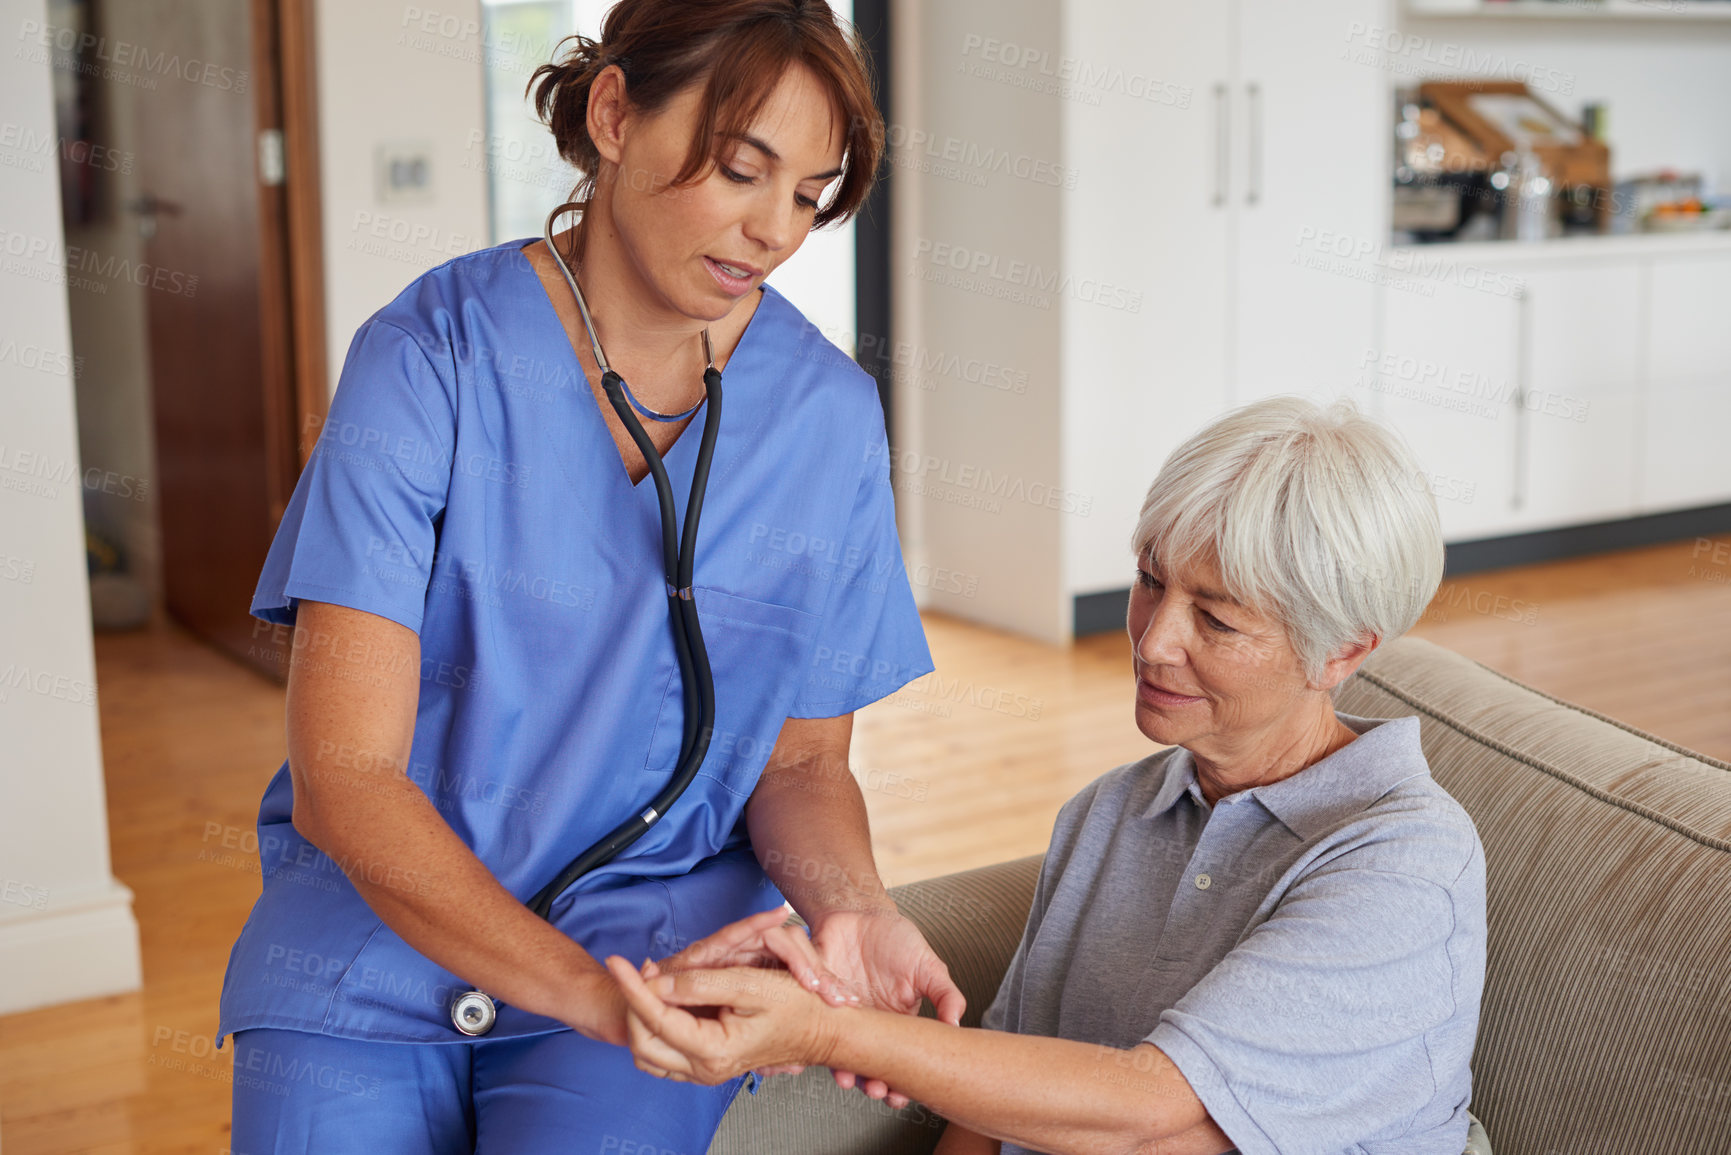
column 737, row 942
column 783, row 1069
column 794, row 948
column 653, row 1053
column 650, row 1052
column 669, row 1024
column 935, row 983
column 744, row 990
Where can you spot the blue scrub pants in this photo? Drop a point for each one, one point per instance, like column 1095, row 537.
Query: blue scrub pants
column 300, row 1093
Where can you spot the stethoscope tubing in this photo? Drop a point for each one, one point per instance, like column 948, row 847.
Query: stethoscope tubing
column 474, row 1012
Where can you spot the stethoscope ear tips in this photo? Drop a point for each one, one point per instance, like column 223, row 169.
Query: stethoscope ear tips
column 473, row 1013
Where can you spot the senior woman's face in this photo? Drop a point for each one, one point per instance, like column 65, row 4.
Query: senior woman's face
column 1206, row 667
column 704, row 247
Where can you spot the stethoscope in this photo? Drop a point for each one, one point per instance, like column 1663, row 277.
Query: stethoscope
column 474, row 1011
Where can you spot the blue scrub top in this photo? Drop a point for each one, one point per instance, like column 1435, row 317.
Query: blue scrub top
column 466, row 486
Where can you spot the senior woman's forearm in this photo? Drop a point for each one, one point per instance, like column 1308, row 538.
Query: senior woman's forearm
column 1054, row 1095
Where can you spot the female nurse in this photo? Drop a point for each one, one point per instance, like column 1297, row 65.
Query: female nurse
column 483, row 677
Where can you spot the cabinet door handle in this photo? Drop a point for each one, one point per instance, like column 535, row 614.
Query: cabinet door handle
column 1523, row 374
column 1254, row 93
column 1221, row 149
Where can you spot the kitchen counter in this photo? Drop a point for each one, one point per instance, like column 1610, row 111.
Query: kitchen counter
column 1588, row 247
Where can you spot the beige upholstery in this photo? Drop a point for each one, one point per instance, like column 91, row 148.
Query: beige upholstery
column 1606, row 1024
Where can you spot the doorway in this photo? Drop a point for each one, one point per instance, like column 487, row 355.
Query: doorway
column 190, row 207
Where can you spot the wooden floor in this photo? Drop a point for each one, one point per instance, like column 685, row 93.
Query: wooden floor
column 967, row 768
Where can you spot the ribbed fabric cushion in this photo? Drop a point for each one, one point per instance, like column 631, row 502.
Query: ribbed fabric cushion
column 1606, row 1024
column 973, row 921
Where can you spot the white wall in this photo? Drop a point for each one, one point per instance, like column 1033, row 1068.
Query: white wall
column 395, row 72
column 66, row 925
column 976, row 156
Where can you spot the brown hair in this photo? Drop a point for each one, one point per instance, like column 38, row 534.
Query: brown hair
column 664, row 45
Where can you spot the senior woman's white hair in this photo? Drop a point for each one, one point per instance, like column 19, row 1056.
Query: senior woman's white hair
column 1320, row 518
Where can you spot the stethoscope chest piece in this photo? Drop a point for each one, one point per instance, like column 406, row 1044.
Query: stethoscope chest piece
column 473, row 1013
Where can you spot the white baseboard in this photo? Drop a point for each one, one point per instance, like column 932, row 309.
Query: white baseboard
column 81, row 947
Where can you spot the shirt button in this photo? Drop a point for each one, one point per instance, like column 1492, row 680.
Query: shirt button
column 1203, row 882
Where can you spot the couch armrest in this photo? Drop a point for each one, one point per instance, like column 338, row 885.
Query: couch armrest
column 973, row 921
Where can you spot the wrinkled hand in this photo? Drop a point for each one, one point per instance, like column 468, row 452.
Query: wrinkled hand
column 885, row 957
column 761, row 940
column 762, row 1019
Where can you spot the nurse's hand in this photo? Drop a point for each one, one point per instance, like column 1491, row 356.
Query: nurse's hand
column 884, row 955
column 762, row 940
column 762, row 1019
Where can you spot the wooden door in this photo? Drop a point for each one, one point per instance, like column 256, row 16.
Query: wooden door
column 212, row 211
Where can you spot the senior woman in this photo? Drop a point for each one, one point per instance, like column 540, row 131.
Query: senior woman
column 1268, row 935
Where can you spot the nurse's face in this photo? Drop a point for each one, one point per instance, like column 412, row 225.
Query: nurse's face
column 1211, row 675
column 699, row 249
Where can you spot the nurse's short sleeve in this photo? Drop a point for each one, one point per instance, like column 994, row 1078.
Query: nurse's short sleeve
column 1310, row 1034
column 362, row 525
column 870, row 642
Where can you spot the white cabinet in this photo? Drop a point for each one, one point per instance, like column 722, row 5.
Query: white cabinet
column 1309, row 190
column 1685, row 451
column 1444, row 374
column 1208, row 203
column 1577, row 382
column 1149, row 211
column 1579, row 400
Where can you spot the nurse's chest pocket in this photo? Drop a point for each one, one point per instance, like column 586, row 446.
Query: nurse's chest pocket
column 757, row 652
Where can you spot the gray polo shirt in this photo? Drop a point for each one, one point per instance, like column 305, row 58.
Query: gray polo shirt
column 1309, row 953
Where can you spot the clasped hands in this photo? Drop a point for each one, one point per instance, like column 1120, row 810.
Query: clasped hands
column 759, row 995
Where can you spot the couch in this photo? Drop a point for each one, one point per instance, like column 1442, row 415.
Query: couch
column 1606, row 1023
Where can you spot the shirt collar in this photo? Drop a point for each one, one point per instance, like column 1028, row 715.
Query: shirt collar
column 1385, row 754
column 1180, row 780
